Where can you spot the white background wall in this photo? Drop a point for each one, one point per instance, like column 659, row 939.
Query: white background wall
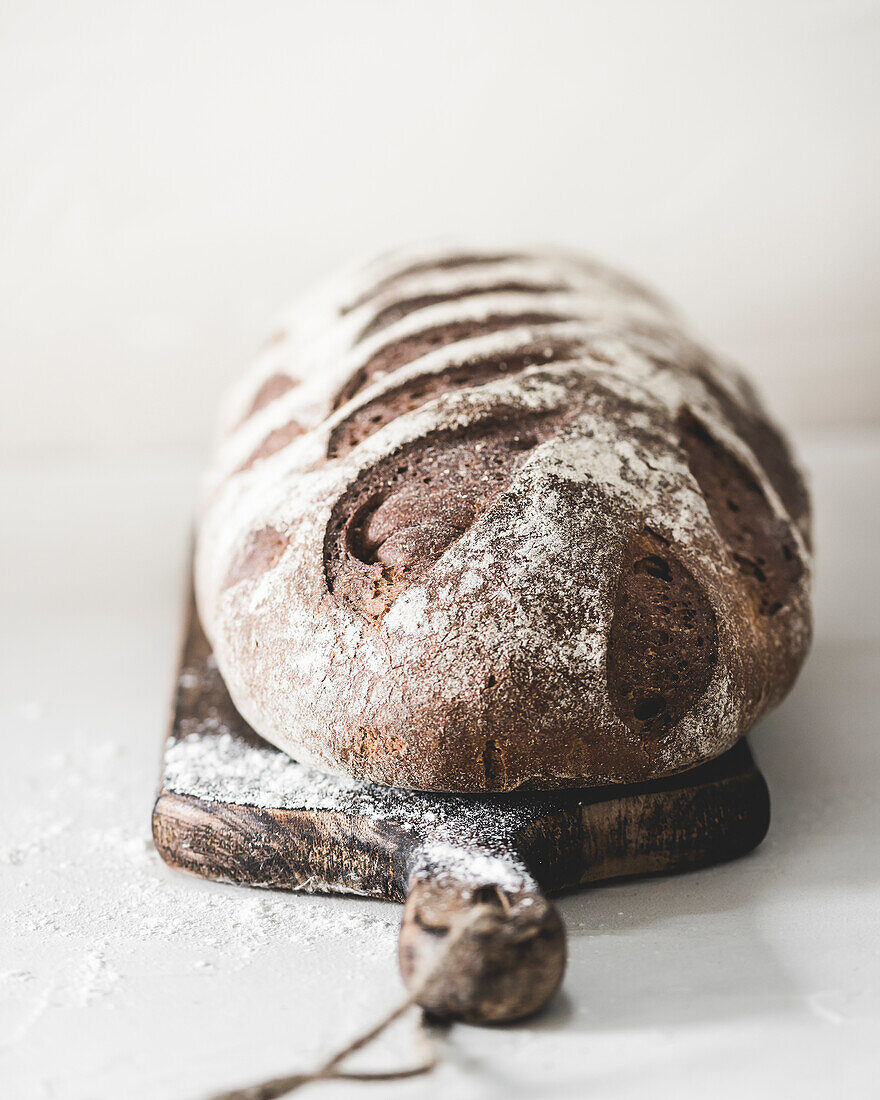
column 172, row 172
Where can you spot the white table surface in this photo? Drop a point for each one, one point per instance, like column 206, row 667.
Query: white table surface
column 122, row 979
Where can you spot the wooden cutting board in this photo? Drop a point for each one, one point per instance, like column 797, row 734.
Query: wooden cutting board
column 235, row 809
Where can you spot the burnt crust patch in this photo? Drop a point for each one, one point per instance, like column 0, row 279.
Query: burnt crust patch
column 759, row 542
column 663, row 643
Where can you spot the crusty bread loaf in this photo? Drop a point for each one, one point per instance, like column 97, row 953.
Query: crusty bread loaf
column 482, row 521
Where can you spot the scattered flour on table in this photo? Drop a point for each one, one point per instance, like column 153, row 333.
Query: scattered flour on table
column 86, row 900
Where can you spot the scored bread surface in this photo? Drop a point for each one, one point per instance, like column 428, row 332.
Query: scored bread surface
column 480, row 521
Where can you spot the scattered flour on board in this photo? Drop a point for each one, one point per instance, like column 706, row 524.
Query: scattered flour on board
column 463, row 837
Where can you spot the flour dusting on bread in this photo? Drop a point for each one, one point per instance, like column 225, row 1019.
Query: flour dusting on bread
column 443, row 482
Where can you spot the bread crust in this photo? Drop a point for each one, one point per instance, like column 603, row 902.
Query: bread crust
column 481, row 521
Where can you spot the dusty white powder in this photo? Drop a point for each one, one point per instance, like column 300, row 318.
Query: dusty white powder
column 224, row 768
column 88, row 902
column 469, row 839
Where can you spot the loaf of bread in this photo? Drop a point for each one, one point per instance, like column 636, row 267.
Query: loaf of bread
column 482, row 520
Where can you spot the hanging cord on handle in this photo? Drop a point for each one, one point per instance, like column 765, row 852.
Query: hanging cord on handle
column 283, row 1086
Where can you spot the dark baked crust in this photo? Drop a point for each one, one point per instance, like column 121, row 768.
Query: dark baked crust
column 401, row 515
column 494, row 520
column 663, row 644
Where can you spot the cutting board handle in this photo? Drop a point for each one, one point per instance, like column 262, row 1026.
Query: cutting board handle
column 509, row 952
